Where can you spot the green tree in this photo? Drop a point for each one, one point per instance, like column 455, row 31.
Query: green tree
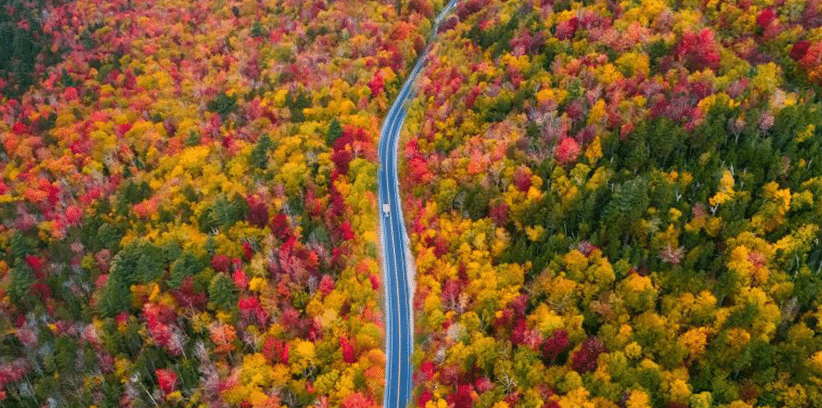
column 139, row 262
column 222, row 104
column 335, row 130
column 223, row 213
column 296, row 101
column 259, row 156
column 222, row 291
column 21, row 277
column 187, row 265
column 114, row 297
column 628, row 203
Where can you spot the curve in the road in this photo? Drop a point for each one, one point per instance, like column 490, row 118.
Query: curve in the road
column 395, row 254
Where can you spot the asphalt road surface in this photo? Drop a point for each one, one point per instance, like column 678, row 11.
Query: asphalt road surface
column 395, row 254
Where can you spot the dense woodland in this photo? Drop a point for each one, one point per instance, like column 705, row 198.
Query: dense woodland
column 618, row 204
column 611, row 204
column 188, row 200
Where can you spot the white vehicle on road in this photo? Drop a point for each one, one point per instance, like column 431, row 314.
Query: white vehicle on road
column 397, row 262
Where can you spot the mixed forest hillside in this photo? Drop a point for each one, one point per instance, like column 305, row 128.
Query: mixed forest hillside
column 188, row 200
column 618, row 204
column 610, row 203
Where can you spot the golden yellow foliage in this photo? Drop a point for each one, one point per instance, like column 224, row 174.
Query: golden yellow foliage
column 694, row 341
column 726, row 190
column 638, row 399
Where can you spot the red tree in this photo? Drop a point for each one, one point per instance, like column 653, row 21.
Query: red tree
column 257, row 212
column 555, row 345
column 221, row 263
column 522, row 179
column 280, row 227
column 462, row 398
column 799, row 50
column 375, row 85
column 276, row 351
column 567, row 29
column 425, row 396
column 585, row 359
column 567, row 151
column 698, row 50
column 765, row 18
column 167, row 379
column 349, row 357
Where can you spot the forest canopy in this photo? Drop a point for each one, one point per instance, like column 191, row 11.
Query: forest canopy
column 187, row 200
column 617, row 204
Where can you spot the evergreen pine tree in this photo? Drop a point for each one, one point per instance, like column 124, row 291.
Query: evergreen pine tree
column 187, row 265
column 114, row 297
column 223, row 213
column 296, row 101
column 19, row 246
column 222, row 291
column 627, row 205
column 259, row 156
column 150, row 265
column 335, row 130
column 109, row 236
column 21, row 277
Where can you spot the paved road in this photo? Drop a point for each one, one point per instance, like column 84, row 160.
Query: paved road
column 395, row 254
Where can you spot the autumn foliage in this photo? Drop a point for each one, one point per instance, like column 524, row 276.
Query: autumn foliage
column 616, row 204
column 188, row 200
column 610, row 204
